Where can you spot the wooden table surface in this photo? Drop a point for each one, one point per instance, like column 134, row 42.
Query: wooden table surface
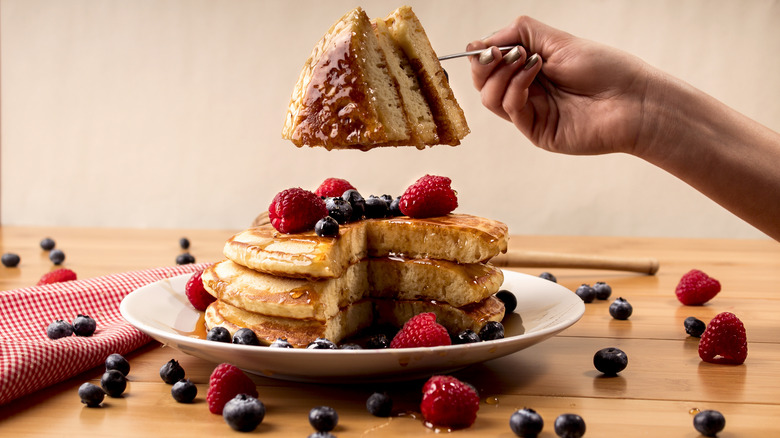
column 664, row 384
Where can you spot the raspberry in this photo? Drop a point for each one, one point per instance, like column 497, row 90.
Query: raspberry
column 429, row 196
column 696, row 288
column 448, row 402
column 226, row 382
column 333, row 188
column 196, row 293
column 57, row 276
column 295, row 210
column 724, row 340
column 421, row 331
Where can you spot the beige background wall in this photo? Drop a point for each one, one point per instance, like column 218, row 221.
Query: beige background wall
column 168, row 113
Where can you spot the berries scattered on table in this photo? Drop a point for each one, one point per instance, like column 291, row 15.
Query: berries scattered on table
column 509, row 299
column 117, row 362
column 709, row 422
column 91, row 394
column 196, row 292
column 586, row 293
column 226, row 382
column 281, row 343
column 243, row 413
column 610, row 361
column 357, row 202
column 491, row 331
column 323, row 418
column 376, row 207
column 429, row 196
column 621, row 309
column 569, row 426
column 694, row 326
column 339, row 209
column 184, row 391
column 333, row 187
column 548, row 276
column 184, row 243
column 467, row 336
column 11, row 260
column 57, row 276
column 219, row 334
column 295, row 210
column 171, row 372
column 379, row 404
column 57, row 256
column 526, row 423
column 724, row 341
column 696, row 288
column 449, row 402
column 59, row 329
column 185, row 259
column 421, row 330
column 84, row 326
column 603, row 290
column 113, row 383
column 327, row 227
column 321, row 344
column 245, row 336
column 47, row 244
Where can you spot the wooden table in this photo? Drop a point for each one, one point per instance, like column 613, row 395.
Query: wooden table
column 657, row 395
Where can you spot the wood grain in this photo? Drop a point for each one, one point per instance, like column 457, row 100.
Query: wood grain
column 663, row 385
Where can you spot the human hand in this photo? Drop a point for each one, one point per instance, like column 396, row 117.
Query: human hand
column 580, row 98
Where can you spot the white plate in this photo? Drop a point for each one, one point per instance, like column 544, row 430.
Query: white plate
column 162, row 311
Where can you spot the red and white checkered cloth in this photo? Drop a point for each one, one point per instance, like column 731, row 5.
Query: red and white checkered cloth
column 29, row 360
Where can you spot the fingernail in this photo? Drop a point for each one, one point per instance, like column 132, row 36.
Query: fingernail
column 486, row 57
column 512, row 56
column 531, row 61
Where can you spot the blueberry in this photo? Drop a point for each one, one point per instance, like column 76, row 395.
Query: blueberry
column 620, row 309
column 184, row 243
column 117, row 362
column 321, row 344
column 219, row 334
column 321, row 435
column 185, row 259
column 491, row 330
column 171, row 372
column 509, row 300
column 694, row 327
column 526, row 423
column 379, row 404
column 57, row 256
column 47, row 244
column 323, row 418
column 376, row 207
column 466, row 337
column 91, row 394
column 113, row 382
column 59, row 329
column 394, row 208
column 378, row 341
column 281, row 343
column 548, row 276
column 358, row 204
column 709, row 422
column 569, row 426
column 603, row 290
column 184, row 391
column 586, row 293
column 245, row 336
column 327, row 227
column 243, row 413
column 350, row 346
column 10, row 260
column 339, row 209
column 84, row 326
column 610, row 361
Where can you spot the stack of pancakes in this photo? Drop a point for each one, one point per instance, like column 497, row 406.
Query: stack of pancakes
column 374, row 83
column 301, row 287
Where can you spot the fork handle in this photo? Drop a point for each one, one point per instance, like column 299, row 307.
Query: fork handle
column 516, row 259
